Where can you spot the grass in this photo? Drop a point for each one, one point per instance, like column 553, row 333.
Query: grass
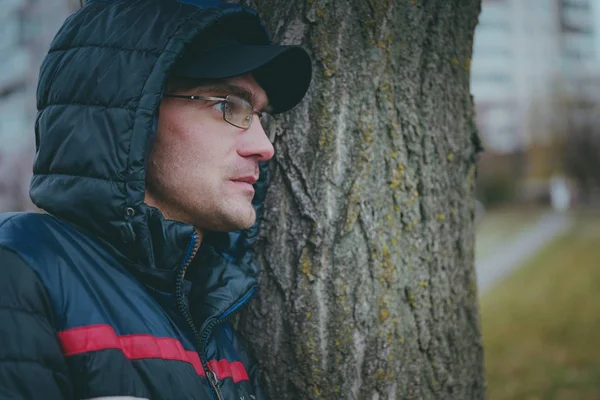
column 541, row 326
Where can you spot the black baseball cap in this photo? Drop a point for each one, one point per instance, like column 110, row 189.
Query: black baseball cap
column 284, row 72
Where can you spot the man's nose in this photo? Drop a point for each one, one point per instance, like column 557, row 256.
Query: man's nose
column 254, row 142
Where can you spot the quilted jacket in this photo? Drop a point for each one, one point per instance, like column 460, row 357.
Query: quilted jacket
column 100, row 296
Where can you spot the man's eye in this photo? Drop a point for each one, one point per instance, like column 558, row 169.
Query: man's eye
column 220, row 106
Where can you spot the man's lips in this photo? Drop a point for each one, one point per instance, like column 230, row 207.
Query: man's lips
column 246, row 179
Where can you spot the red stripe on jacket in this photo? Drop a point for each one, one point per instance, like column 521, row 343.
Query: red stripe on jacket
column 100, row 337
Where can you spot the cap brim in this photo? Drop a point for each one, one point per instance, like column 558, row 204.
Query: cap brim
column 284, row 72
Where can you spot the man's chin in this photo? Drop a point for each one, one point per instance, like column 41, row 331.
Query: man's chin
column 238, row 221
column 246, row 224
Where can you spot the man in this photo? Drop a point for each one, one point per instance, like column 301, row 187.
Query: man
column 150, row 167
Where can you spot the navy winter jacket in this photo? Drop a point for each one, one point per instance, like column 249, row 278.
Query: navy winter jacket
column 100, row 296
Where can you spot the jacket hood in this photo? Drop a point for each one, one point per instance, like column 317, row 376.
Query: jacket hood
column 98, row 95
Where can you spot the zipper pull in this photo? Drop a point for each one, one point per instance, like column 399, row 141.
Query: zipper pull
column 214, row 381
column 213, row 377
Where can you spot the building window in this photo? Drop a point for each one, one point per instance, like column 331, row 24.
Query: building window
column 572, row 28
column 576, row 4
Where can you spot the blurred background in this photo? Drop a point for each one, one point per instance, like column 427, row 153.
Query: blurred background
column 535, row 78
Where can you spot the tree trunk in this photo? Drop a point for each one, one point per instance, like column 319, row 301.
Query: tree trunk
column 368, row 289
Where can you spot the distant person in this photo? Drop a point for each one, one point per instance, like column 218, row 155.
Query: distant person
column 152, row 145
column 560, row 193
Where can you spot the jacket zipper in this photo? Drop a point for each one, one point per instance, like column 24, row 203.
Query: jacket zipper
column 201, row 340
column 211, row 325
column 210, row 375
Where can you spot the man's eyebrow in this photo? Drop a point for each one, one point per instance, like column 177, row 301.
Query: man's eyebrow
column 240, row 91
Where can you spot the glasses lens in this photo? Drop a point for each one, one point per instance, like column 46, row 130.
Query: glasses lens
column 238, row 112
column 265, row 120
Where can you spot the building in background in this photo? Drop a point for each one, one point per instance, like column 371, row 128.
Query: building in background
column 516, row 62
column 581, row 59
column 578, row 41
column 527, row 56
column 26, row 30
column 492, row 80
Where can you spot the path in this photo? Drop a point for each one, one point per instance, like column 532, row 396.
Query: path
column 515, row 251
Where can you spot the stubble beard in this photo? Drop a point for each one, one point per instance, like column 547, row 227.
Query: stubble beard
column 220, row 212
column 229, row 216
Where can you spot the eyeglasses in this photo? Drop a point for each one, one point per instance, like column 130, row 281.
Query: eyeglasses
column 236, row 111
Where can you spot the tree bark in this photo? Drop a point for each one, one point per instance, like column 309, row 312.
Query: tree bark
column 368, row 289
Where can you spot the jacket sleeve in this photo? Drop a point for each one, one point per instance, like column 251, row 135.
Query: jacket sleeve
column 31, row 362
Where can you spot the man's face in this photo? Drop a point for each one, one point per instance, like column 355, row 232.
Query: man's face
column 201, row 168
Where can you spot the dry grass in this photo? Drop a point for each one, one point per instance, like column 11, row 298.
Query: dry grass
column 541, row 326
